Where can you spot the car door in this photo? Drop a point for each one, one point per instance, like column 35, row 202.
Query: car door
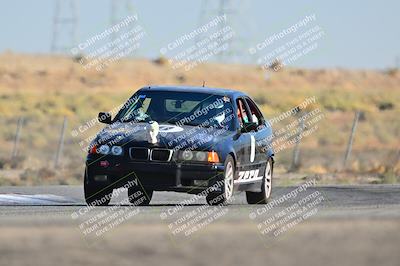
column 261, row 156
column 245, row 143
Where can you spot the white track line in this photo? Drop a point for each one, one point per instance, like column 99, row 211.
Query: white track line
column 37, row 199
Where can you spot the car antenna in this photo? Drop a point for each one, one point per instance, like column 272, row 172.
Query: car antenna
column 204, row 83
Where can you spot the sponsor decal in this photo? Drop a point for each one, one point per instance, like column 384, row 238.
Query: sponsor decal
column 170, row 129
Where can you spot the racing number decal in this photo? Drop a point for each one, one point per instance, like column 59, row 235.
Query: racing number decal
column 249, row 175
column 253, row 149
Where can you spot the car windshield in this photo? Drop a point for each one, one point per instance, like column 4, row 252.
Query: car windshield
column 181, row 108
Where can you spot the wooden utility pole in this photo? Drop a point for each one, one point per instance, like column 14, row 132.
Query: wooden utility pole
column 351, row 139
column 17, row 137
column 296, row 150
column 60, row 144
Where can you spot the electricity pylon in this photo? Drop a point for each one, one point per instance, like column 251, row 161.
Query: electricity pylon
column 65, row 26
column 235, row 45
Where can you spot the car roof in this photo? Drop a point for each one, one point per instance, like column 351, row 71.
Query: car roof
column 193, row 89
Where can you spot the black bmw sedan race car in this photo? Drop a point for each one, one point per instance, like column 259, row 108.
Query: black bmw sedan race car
column 184, row 139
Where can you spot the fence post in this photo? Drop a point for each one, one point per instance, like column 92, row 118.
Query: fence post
column 17, row 137
column 296, row 150
column 351, row 139
column 60, row 144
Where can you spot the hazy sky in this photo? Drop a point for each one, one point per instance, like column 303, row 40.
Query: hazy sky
column 358, row 34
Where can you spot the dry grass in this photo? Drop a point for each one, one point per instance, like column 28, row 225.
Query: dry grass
column 44, row 89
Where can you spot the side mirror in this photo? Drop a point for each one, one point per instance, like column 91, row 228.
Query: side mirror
column 104, row 118
column 248, row 127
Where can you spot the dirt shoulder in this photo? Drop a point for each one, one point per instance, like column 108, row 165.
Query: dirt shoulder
column 318, row 242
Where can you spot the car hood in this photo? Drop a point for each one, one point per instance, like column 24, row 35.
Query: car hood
column 170, row 136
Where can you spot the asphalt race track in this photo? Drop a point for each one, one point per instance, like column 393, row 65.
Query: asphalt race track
column 340, row 201
column 352, row 225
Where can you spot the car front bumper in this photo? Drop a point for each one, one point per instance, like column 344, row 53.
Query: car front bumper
column 161, row 176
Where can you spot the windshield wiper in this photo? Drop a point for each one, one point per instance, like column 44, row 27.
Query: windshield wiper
column 172, row 121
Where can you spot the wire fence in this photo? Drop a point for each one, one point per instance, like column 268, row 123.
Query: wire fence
column 353, row 142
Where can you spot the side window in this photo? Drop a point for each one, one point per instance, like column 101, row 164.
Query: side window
column 242, row 113
column 255, row 112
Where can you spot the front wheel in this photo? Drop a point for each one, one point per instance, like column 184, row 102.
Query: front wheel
column 266, row 187
column 222, row 198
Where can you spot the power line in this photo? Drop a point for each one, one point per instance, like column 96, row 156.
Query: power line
column 65, row 26
column 119, row 10
column 230, row 8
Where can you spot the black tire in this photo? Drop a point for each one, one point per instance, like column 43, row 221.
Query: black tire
column 223, row 197
column 96, row 195
column 266, row 187
column 144, row 197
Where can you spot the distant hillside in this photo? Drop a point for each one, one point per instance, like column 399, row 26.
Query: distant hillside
column 336, row 89
column 43, row 89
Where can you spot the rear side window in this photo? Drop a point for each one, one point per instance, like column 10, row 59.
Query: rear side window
column 256, row 115
column 242, row 112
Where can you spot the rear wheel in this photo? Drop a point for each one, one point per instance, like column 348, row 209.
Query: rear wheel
column 217, row 198
column 96, row 195
column 266, row 187
column 139, row 196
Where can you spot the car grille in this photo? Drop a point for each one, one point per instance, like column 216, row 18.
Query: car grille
column 144, row 154
column 162, row 155
column 139, row 154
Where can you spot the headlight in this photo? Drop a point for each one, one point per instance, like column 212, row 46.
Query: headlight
column 199, row 156
column 187, row 155
column 116, row 150
column 104, row 149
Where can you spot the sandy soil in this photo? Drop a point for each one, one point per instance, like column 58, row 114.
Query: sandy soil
column 359, row 242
